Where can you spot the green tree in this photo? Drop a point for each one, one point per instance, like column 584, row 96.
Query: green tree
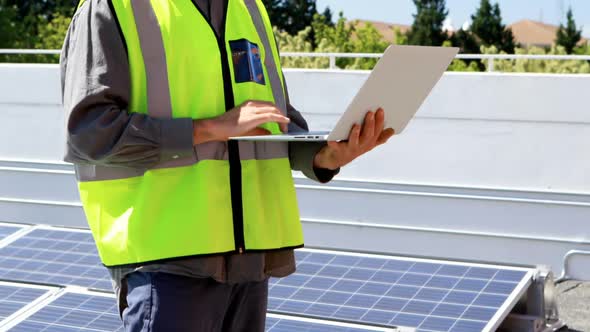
column 299, row 14
column 291, row 16
column 33, row 14
column 569, row 36
column 399, row 37
column 488, row 28
column 275, row 11
column 23, row 24
column 583, row 49
column 428, row 23
column 51, row 35
column 539, row 66
column 300, row 43
column 31, row 9
column 338, row 35
column 464, row 66
column 10, row 27
column 367, row 40
column 327, row 14
column 341, row 37
column 465, row 41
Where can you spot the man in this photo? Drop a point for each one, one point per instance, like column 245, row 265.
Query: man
column 190, row 224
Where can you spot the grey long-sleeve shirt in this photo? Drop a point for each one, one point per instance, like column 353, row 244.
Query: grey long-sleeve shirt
column 102, row 131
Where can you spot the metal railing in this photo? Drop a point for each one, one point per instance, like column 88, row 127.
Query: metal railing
column 490, row 58
column 26, row 52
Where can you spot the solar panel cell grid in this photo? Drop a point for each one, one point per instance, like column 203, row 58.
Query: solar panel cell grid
column 428, row 296
column 54, row 257
column 74, row 312
column 14, row 298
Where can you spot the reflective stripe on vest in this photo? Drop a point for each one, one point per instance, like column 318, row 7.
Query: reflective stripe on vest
column 184, row 208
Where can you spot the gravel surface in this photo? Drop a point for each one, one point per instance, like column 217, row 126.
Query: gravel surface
column 574, row 305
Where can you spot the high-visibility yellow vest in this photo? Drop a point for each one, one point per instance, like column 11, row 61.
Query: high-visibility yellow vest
column 227, row 197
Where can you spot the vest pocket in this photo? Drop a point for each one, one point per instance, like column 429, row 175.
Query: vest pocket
column 247, row 62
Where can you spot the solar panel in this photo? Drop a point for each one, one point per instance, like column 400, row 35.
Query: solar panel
column 424, row 294
column 87, row 311
column 429, row 295
column 57, row 257
column 14, row 298
column 6, row 231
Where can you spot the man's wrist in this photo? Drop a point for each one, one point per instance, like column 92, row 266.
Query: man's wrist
column 203, row 131
column 324, row 160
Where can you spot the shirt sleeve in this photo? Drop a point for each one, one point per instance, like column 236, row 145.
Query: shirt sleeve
column 96, row 89
column 302, row 154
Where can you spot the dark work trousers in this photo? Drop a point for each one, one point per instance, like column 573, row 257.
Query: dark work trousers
column 160, row 302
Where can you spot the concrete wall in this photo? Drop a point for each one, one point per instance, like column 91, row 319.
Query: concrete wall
column 529, row 132
column 495, row 167
column 31, row 116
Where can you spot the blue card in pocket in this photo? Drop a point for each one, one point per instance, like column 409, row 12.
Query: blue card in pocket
column 247, row 62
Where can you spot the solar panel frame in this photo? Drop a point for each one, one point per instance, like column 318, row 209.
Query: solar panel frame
column 28, row 303
column 512, row 300
column 9, row 232
column 519, row 278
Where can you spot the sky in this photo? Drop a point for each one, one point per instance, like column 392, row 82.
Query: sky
column 401, row 11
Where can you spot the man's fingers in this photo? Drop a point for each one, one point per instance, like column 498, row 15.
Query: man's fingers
column 379, row 121
column 284, row 127
column 261, row 119
column 268, row 109
column 272, row 117
column 355, row 135
column 275, row 115
column 368, row 128
column 256, row 132
column 385, row 136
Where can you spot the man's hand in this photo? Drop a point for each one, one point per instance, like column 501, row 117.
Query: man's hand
column 360, row 141
column 240, row 121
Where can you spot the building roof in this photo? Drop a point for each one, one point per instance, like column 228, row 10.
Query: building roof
column 534, row 33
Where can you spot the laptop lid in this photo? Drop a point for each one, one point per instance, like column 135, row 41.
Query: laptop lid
column 399, row 83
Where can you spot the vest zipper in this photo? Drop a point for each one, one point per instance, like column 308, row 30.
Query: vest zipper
column 235, row 164
column 235, row 180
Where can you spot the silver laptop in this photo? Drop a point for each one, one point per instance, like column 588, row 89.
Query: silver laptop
column 399, row 83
